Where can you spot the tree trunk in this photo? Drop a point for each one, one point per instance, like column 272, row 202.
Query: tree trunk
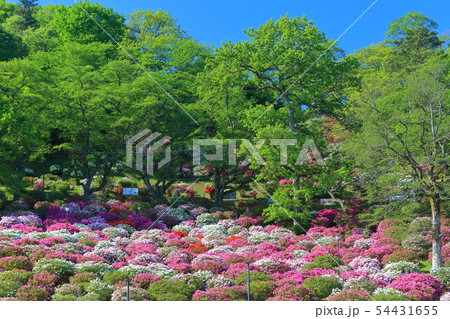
column 291, row 117
column 87, row 189
column 296, row 209
column 436, row 231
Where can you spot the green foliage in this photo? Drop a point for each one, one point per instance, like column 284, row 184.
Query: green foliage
column 325, row 261
column 55, row 196
column 20, row 276
column 9, row 288
column 171, row 286
column 99, row 289
column 55, row 266
column 172, row 297
column 389, row 298
column 97, row 268
column 254, row 276
column 206, row 219
column 11, row 46
column 322, row 286
column 443, row 274
column 74, row 23
column 261, row 290
column 13, row 263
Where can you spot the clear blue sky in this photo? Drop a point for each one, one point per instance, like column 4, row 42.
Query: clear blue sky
column 213, row 22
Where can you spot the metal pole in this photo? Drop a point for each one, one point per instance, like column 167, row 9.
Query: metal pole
column 128, row 289
column 248, row 281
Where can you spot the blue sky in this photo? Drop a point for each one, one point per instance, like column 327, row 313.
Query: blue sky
column 213, row 22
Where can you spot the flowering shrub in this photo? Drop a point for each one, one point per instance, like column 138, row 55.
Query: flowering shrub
column 144, row 280
column 57, row 266
column 418, row 286
column 397, row 268
column 292, row 292
column 388, row 294
column 322, row 286
column 360, row 283
column 12, row 263
column 160, row 289
column 136, row 294
column 97, row 268
column 235, row 293
column 197, row 248
column 206, row 219
column 32, row 293
column 443, row 274
column 350, row 295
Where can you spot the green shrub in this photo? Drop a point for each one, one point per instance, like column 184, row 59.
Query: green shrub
column 254, row 276
column 99, row 288
column 32, row 293
column 91, row 297
column 82, row 278
column 70, row 290
column 60, row 267
column 64, row 298
column 206, row 219
column 173, row 297
column 136, row 294
column 350, row 295
column 389, row 298
column 54, row 196
column 21, row 276
column 12, row 263
column 113, row 277
column 402, row 255
column 261, row 290
column 9, row 288
column 142, row 205
column 41, row 208
column 171, row 286
column 322, row 286
column 98, row 268
column 36, row 195
column 443, row 274
column 325, row 261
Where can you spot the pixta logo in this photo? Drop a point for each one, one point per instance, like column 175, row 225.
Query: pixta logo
column 149, row 144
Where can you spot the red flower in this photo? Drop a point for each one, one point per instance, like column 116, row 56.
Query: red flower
column 197, row 248
column 232, row 238
column 180, row 233
column 125, row 221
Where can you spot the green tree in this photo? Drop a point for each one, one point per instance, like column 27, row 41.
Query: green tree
column 414, row 35
column 75, row 23
column 11, row 47
column 24, row 126
column 92, row 110
column 402, row 142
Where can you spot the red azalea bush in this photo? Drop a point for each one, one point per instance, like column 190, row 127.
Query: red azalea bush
column 197, row 248
column 180, row 233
